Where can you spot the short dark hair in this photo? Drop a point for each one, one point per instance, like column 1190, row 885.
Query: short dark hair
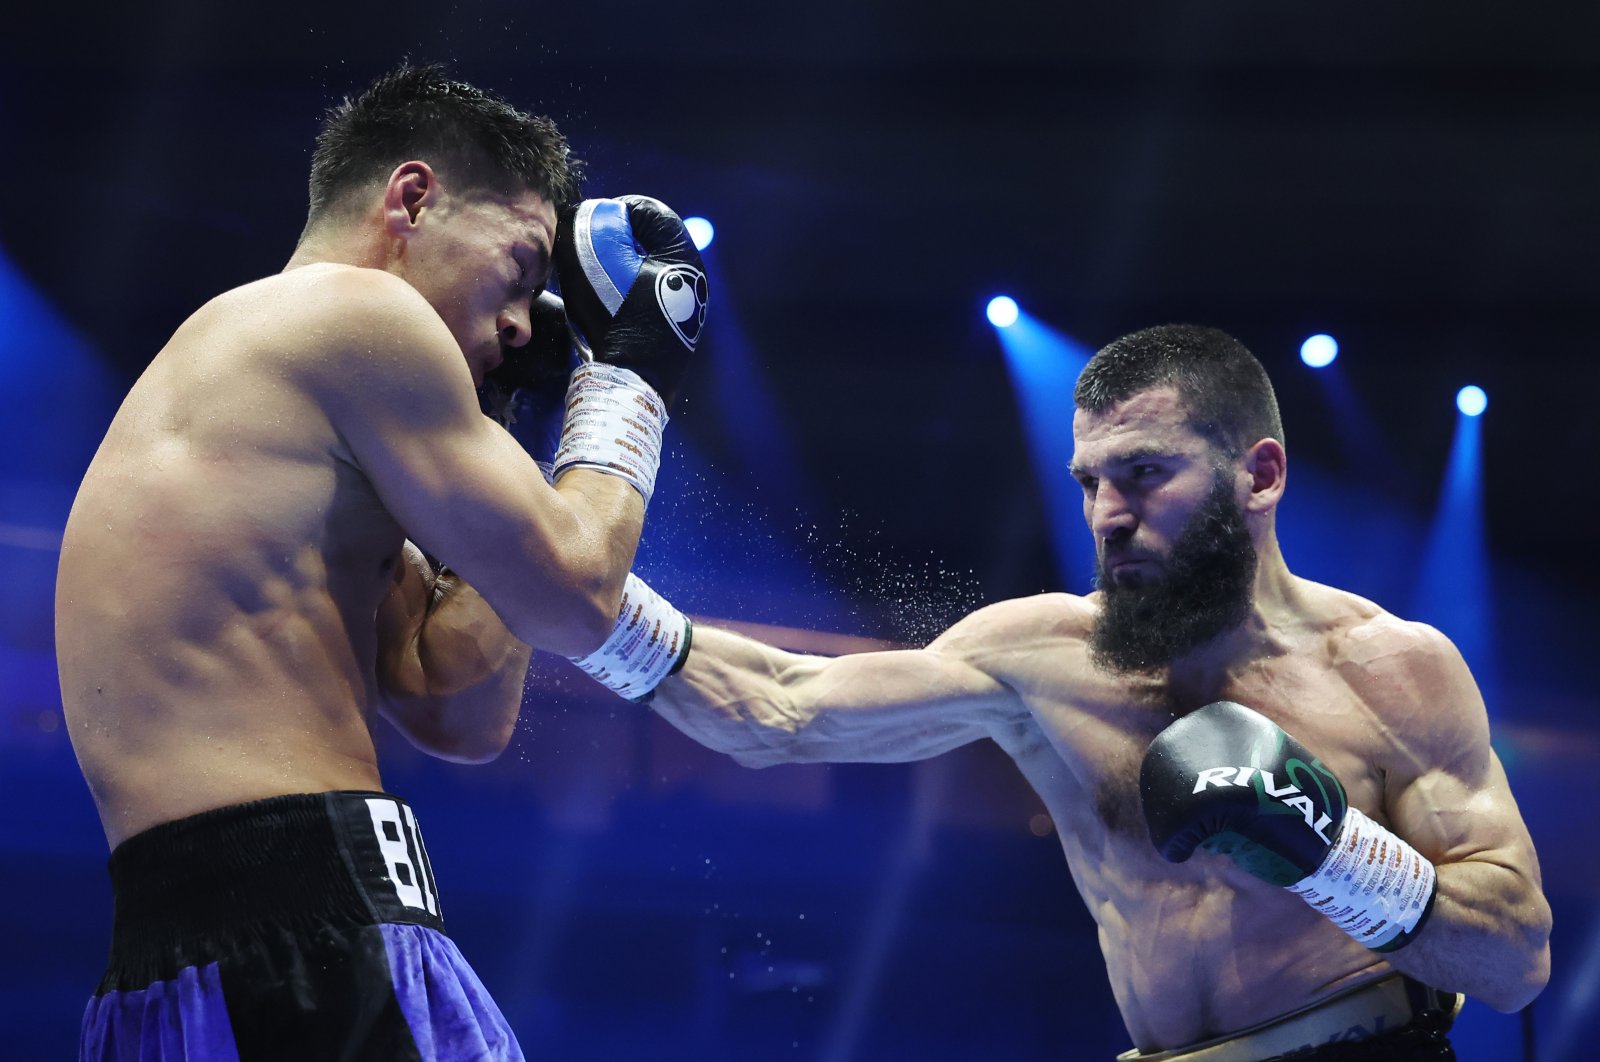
column 1224, row 389
column 420, row 112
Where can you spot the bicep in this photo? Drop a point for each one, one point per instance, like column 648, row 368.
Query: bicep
column 1452, row 817
column 458, row 484
column 1447, row 792
column 550, row 562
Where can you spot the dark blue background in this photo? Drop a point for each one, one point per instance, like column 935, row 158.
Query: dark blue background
column 850, row 456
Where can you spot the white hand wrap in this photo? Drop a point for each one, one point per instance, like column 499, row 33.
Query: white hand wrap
column 1372, row 885
column 650, row 642
column 613, row 423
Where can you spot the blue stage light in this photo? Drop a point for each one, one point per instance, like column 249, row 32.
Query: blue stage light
column 1044, row 365
column 1002, row 311
column 1319, row 351
column 701, row 231
column 1471, row 400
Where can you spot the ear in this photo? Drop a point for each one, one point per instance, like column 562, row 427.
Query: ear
column 1268, row 468
column 413, row 187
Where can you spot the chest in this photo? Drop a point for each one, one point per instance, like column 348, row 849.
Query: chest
column 1101, row 736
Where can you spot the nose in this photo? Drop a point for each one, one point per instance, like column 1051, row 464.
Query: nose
column 1111, row 519
column 514, row 325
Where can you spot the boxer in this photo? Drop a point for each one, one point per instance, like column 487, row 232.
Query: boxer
column 300, row 520
column 1152, row 717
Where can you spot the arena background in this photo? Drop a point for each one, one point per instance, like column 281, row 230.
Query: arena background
column 859, row 459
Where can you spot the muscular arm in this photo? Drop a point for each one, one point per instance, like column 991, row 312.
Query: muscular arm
column 550, row 560
column 765, row 706
column 449, row 672
column 1447, row 794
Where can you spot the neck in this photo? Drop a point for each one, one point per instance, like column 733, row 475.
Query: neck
column 1274, row 605
column 362, row 246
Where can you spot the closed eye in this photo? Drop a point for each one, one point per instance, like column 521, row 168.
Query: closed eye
column 1147, row 476
column 521, row 287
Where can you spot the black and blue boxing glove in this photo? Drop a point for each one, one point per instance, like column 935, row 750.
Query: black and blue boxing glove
column 527, row 392
column 1228, row 779
column 635, row 291
column 634, row 285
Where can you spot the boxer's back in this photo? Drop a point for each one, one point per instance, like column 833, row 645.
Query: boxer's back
column 220, row 572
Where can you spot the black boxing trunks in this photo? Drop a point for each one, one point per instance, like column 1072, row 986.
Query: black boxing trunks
column 1395, row 1019
column 299, row 927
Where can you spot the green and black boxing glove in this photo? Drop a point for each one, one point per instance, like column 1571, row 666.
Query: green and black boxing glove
column 1228, row 779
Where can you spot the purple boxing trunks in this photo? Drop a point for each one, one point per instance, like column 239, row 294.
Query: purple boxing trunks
column 297, row 927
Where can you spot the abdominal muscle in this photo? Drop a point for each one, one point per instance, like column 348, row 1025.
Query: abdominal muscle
column 1199, row 950
column 166, row 725
column 190, row 686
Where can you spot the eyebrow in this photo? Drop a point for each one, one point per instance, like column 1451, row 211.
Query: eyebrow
column 1143, row 453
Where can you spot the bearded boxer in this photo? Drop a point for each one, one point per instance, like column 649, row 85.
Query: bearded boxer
column 240, row 596
column 1278, row 801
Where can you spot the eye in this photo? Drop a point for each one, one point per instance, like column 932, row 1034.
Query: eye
column 521, row 286
column 1088, row 483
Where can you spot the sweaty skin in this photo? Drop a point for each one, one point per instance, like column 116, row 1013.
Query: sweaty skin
column 237, row 599
column 1200, row 949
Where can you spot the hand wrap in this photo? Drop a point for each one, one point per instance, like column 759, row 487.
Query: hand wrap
column 649, row 642
column 614, row 423
column 1372, row 885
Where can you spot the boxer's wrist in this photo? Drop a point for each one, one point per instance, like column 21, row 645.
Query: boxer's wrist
column 1372, row 885
column 650, row 641
column 614, row 424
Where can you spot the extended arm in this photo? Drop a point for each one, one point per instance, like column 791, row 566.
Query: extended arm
column 766, row 706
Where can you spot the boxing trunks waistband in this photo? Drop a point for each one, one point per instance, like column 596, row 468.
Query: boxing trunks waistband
column 185, row 891
column 1368, row 1010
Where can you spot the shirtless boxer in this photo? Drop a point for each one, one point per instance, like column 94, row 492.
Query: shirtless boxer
column 239, row 595
column 1179, row 451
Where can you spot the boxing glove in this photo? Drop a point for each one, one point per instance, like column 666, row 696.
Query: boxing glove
column 634, row 285
column 527, row 392
column 1230, row 780
column 635, row 294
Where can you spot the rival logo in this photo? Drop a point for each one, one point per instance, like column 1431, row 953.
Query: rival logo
column 1290, row 795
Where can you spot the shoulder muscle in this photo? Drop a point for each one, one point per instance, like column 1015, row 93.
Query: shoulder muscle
column 1421, row 691
column 1007, row 638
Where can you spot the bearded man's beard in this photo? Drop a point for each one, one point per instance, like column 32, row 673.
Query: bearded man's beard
column 1206, row 588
